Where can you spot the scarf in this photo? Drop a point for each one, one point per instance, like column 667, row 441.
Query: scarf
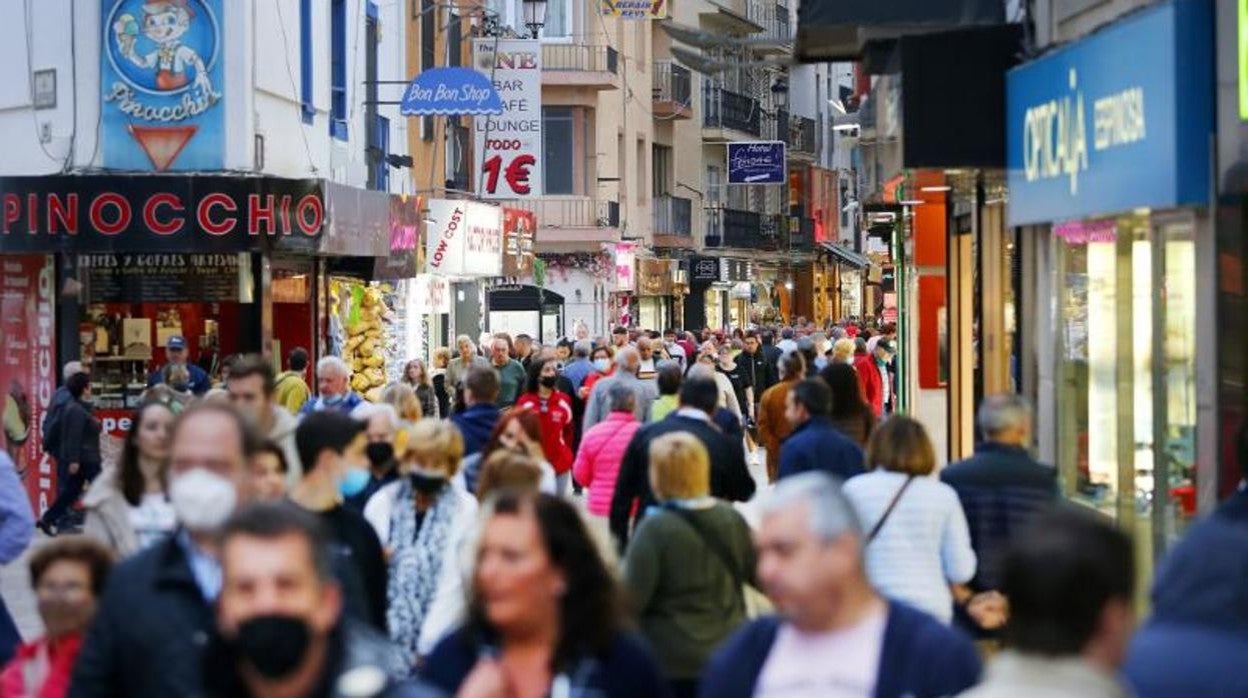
column 416, row 562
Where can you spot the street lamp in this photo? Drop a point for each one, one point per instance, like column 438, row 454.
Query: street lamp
column 780, row 93
column 534, row 16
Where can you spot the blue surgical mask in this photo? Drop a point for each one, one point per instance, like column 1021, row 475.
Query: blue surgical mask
column 602, row 364
column 353, row 482
column 332, row 400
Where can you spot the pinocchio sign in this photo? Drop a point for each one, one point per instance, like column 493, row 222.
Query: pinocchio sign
column 158, row 213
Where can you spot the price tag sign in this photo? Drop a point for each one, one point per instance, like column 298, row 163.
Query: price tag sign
column 509, row 145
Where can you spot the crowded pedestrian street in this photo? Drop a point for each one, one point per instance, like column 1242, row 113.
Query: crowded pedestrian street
column 623, row 349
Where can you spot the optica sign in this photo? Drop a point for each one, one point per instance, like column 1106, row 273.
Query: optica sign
column 1102, row 126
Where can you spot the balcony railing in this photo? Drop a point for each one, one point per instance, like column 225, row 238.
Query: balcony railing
column 671, row 82
column 673, row 215
column 802, row 235
column 804, row 137
column 774, row 19
column 576, row 58
column 570, row 212
column 724, row 109
column 730, row 227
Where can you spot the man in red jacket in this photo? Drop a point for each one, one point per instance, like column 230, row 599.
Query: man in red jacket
column 869, row 377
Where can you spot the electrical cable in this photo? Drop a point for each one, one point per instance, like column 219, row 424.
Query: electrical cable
column 30, row 84
column 290, row 73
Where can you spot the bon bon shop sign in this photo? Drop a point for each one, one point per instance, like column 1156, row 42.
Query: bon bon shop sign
column 464, row 238
column 162, row 85
column 155, row 213
column 509, row 144
column 1117, row 121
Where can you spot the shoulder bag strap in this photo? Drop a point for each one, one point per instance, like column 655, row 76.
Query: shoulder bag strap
column 716, row 547
column 875, row 530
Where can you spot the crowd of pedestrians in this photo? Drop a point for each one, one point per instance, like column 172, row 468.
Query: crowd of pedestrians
column 519, row 520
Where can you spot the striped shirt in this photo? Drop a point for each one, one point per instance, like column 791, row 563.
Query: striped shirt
column 922, row 548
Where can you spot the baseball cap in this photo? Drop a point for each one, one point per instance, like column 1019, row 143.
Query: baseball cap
column 177, row 341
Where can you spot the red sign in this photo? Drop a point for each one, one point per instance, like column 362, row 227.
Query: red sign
column 28, row 364
column 890, row 315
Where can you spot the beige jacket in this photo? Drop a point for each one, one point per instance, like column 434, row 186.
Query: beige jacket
column 1016, row 675
column 108, row 514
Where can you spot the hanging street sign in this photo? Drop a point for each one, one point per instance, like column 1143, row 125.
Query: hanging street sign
column 508, row 147
column 450, row 92
column 635, row 9
column 756, row 162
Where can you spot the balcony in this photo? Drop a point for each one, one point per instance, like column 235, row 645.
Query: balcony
column 573, row 65
column 571, row 223
column 803, row 139
column 729, row 16
column 672, row 91
column 672, row 221
column 729, row 227
column 777, row 35
column 724, row 113
column 801, row 235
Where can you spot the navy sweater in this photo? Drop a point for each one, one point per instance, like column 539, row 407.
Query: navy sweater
column 817, row 445
column 920, row 658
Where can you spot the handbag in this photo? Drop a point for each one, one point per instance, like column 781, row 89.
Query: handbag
column 875, row 530
column 756, row 602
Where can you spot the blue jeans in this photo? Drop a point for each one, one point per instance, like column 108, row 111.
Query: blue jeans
column 9, row 637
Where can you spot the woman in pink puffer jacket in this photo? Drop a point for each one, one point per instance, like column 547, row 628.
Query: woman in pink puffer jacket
column 602, row 448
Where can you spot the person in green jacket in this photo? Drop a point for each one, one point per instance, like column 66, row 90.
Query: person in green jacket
column 669, row 379
column 686, row 565
column 291, row 390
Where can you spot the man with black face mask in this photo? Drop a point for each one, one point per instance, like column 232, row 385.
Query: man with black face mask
column 382, row 423
column 280, row 626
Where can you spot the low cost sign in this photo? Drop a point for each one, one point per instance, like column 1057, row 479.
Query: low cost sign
column 510, row 144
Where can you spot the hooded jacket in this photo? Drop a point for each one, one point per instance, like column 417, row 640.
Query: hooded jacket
column 1198, row 634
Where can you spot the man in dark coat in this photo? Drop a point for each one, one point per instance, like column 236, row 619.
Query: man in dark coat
column 482, row 414
column 1001, row 489
column 730, row 479
column 155, row 616
column 815, row 444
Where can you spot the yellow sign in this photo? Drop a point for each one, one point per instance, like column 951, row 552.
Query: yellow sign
column 635, row 9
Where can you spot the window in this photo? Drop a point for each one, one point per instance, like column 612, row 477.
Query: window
column 428, row 52
column 661, row 170
column 558, row 19
column 455, row 40
column 559, row 149
column 305, row 60
column 338, row 69
column 378, row 128
column 640, row 187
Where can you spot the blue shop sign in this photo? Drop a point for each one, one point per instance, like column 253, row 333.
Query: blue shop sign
column 756, row 162
column 1117, row 121
column 450, row 92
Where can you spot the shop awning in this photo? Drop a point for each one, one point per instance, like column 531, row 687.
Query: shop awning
column 846, row 255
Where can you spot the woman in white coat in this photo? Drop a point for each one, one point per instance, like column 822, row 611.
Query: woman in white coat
column 424, row 523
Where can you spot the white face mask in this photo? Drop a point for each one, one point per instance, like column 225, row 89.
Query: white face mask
column 202, row 499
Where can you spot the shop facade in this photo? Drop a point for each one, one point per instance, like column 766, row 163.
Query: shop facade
column 111, row 266
column 1123, row 261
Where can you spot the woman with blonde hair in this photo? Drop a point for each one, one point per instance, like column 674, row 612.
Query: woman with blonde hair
column 423, row 522
column 918, row 544
column 687, row 562
column 508, row 470
column 403, row 399
column 843, row 351
column 437, row 378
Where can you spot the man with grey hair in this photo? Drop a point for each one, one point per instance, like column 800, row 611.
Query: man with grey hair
column 333, row 386
column 833, row 633
column 579, row 368
column 628, row 363
column 1001, row 488
column 466, row 358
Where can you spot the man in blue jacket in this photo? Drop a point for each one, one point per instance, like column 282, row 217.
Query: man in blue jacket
column 815, row 443
column 482, row 414
column 175, row 351
column 834, row 633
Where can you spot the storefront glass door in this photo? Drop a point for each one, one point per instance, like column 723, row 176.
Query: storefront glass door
column 1126, row 407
